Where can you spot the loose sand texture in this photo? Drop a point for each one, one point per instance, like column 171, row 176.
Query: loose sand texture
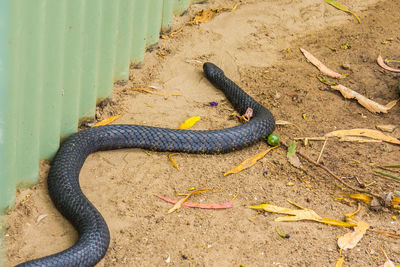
column 257, row 46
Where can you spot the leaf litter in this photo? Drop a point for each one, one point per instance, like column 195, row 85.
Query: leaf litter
column 369, row 104
column 182, row 202
column 184, row 125
column 152, row 91
column 247, row 163
column 388, row 262
column 351, row 239
column 200, row 17
column 299, row 214
column 107, row 121
column 382, row 63
column 173, row 161
column 189, row 122
column 322, row 68
column 364, row 133
column 343, row 8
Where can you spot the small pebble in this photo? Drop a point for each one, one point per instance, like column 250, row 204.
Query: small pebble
column 345, row 66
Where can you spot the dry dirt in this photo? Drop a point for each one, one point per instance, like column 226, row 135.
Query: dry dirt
column 258, row 47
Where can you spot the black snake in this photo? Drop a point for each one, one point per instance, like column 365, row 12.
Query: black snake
column 63, row 179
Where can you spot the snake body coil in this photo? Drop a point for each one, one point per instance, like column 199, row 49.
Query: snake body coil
column 63, row 179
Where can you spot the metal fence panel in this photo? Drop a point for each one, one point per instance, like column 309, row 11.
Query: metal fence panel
column 58, row 58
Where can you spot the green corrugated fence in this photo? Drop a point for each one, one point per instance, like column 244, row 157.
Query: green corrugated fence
column 58, row 58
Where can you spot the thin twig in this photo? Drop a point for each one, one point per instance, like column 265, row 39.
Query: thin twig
column 334, row 175
column 311, row 138
column 322, row 150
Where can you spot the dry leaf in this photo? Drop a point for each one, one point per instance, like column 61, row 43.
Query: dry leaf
column 386, row 67
column 172, row 160
column 363, row 197
column 339, row 262
column 281, row 122
column 107, row 121
column 203, row 16
column 41, row 217
column 385, row 233
column 299, row 215
column 388, row 262
column 324, row 69
column 372, row 106
column 189, row 122
column 349, row 217
column 358, row 139
column 386, row 128
column 154, row 93
column 351, row 239
column 200, row 17
column 343, row 8
column 226, row 205
column 247, row 163
column 180, row 202
column 147, row 91
column 366, row 133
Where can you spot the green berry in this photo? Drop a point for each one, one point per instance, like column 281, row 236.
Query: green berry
column 274, row 139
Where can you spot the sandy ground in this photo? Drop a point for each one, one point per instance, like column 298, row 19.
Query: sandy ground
column 258, row 47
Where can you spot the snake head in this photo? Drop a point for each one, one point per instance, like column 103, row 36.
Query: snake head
column 212, row 71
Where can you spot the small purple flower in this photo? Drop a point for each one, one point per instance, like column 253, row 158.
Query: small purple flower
column 265, row 173
column 213, row 104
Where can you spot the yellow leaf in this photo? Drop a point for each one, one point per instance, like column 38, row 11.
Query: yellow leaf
column 336, row 222
column 178, row 205
column 343, row 8
column 349, row 217
column 339, row 262
column 366, row 133
column 249, row 162
column 189, row 122
column 363, row 197
column 173, row 161
column 358, row 139
column 107, row 121
column 203, row 16
column 299, row 215
column 351, row 239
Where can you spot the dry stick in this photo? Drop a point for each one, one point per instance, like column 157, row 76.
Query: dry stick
column 334, row 175
column 311, row 138
column 322, row 150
